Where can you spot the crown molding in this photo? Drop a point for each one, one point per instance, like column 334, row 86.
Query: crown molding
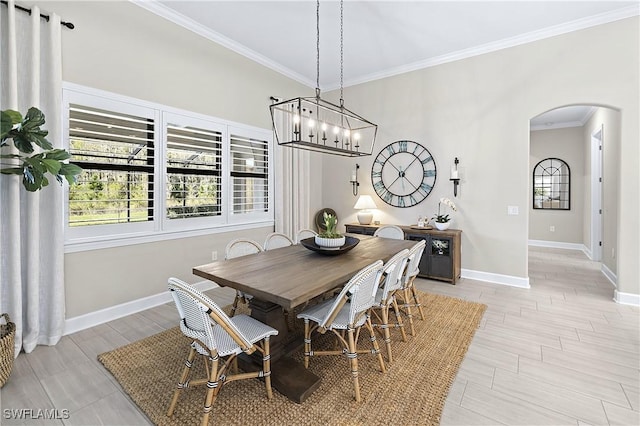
column 579, row 24
column 568, row 27
column 191, row 25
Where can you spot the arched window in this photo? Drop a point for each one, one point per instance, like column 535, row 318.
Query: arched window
column 552, row 185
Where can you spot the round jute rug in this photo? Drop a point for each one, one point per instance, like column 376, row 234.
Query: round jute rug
column 411, row 392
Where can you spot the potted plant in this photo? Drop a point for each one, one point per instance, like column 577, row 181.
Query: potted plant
column 330, row 238
column 25, row 133
column 443, row 221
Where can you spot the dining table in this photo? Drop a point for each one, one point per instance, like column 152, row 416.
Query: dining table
column 284, row 279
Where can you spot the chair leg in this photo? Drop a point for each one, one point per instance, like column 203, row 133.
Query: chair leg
column 374, row 343
column 407, row 306
column 416, row 301
column 266, row 367
column 353, row 362
column 396, row 310
column 234, row 307
column 385, row 329
column 183, row 381
column 212, row 391
column 307, row 343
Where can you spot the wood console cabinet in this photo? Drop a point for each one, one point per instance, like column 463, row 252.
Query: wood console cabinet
column 441, row 257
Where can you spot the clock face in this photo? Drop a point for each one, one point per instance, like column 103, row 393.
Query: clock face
column 403, row 173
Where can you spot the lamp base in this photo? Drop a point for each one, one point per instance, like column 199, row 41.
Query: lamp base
column 365, row 217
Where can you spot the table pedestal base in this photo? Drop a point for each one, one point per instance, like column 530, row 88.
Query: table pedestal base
column 288, row 376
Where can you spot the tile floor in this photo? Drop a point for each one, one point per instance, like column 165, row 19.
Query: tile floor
column 560, row 353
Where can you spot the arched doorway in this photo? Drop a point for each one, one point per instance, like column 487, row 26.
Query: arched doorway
column 587, row 138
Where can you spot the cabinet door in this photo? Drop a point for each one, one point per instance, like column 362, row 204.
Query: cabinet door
column 440, row 252
column 423, row 266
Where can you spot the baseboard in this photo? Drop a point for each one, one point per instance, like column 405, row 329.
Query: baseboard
column 587, row 251
column 509, row 280
column 557, row 244
column 82, row 322
column 626, row 298
column 609, row 274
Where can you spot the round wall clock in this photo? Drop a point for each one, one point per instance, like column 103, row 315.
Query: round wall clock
column 403, row 173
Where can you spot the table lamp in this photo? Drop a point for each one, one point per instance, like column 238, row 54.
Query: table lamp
column 365, row 204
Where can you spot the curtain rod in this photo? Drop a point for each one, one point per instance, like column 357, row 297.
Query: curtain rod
column 45, row 17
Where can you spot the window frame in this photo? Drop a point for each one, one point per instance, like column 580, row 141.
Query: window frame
column 91, row 237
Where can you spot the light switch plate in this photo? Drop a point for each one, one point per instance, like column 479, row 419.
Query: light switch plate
column 513, row 210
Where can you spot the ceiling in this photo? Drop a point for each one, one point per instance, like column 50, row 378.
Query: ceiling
column 571, row 116
column 381, row 38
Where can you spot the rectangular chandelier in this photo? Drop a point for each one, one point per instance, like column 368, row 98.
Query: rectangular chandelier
column 317, row 125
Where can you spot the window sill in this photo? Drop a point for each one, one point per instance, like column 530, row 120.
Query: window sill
column 88, row 244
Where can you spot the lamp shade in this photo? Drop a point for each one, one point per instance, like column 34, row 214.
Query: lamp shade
column 365, row 202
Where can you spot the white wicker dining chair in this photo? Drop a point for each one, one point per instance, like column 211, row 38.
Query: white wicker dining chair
column 219, row 339
column 348, row 311
column 385, row 298
column 237, row 248
column 277, row 240
column 407, row 292
column 390, row 231
column 305, row 233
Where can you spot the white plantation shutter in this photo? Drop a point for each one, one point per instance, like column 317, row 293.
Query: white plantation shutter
column 152, row 172
column 117, row 153
column 249, row 175
column 194, row 172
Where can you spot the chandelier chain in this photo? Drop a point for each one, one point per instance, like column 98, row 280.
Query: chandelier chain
column 341, row 52
column 318, row 48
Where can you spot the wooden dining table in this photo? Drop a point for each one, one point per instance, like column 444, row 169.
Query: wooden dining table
column 281, row 280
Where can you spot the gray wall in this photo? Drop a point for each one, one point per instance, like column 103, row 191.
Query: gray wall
column 568, row 145
column 122, row 48
column 478, row 110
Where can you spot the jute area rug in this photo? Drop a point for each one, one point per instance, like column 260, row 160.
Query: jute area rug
column 412, row 391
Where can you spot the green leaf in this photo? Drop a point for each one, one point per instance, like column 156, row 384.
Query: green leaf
column 37, row 136
column 6, row 122
column 22, row 143
column 57, row 154
column 52, row 166
column 70, row 172
column 33, row 120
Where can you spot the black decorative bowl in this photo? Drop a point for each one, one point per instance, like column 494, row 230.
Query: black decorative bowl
column 310, row 243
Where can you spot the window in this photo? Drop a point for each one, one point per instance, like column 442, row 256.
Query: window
column 249, row 175
column 116, row 151
column 552, row 185
column 151, row 170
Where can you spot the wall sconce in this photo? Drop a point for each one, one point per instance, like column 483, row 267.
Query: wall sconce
column 455, row 177
column 354, row 180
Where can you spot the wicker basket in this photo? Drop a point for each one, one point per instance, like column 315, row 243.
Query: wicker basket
column 7, row 349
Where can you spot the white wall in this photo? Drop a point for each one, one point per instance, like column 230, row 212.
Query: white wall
column 568, row 145
column 478, row 110
column 122, row 48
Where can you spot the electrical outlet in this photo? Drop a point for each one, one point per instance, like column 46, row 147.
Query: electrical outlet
column 552, row 228
column 214, row 255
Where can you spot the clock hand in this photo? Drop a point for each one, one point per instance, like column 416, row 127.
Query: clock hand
column 414, row 160
column 403, row 178
column 393, row 165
